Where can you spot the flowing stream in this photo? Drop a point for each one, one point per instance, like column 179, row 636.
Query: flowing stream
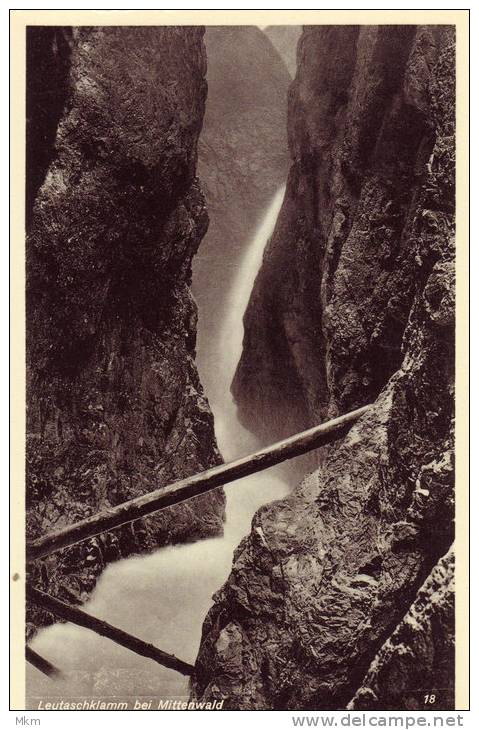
column 163, row 597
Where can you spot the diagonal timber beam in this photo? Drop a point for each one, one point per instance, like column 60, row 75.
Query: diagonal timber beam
column 80, row 618
column 194, row 485
column 43, row 665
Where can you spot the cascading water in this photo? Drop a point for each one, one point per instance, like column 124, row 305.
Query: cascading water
column 163, row 597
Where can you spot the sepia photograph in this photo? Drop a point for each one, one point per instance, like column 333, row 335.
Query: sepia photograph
column 239, row 486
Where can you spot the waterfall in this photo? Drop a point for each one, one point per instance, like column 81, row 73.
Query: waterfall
column 233, row 439
column 163, row 597
column 231, row 337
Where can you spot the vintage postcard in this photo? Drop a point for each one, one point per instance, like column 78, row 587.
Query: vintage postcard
column 239, row 360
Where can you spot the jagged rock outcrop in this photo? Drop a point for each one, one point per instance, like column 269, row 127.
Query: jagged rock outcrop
column 115, row 406
column 285, row 38
column 243, row 161
column 414, row 669
column 354, row 304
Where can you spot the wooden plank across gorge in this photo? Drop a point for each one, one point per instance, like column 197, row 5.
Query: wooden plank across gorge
column 194, row 485
column 80, row 618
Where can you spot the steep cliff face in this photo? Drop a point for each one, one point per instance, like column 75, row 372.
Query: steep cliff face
column 354, row 304
column 330, row 306
column 243, row 161
column 115, row 406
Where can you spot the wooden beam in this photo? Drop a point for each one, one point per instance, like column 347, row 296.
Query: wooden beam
column 194, row 485
column 80, row 618
column 42, row 664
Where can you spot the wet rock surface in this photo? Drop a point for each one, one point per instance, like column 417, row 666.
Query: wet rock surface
column 116, row 408
column 353, row 305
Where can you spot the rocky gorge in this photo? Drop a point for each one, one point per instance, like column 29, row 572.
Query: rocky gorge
column 156, row 163
column 341, row 594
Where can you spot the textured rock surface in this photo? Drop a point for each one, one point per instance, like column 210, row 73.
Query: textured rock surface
column 115, row 407
column 354, row 304
column 414, row 668
column 329, row 309
column 243, row 160
column 285, row 38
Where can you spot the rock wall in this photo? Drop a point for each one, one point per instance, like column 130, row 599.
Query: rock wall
column 354, row 304
column 115, row 406
column 414, row 669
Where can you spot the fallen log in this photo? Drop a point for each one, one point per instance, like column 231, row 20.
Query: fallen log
column 80, row 618
column 194, row 485
column 43, row 665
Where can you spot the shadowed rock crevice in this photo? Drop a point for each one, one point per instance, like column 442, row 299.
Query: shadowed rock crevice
column 48, row 51
column 418, row 659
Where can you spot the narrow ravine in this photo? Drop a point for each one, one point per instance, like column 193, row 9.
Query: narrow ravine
column 163, row 597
